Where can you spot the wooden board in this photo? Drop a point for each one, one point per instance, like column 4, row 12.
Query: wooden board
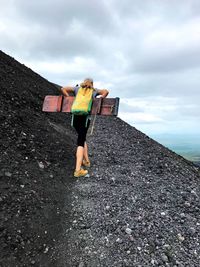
column 101, row 106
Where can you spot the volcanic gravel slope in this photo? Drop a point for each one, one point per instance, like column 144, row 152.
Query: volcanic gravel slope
column 139, row 207
column 36, row 163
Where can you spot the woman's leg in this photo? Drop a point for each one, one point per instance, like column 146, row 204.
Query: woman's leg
column 79, row 157
column 85, row 152
column 79, row 125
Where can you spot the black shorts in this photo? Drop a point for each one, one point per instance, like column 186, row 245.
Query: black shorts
column 81, row 124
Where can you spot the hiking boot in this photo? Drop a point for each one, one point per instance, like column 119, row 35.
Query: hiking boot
column 86, row 163
column 80, row 173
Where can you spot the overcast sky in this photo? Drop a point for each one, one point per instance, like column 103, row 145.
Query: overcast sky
column 145, row 52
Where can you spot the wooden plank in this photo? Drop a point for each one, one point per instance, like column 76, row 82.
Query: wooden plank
column 67, row 103
column 101, row 106
column 52, row 103
column 109, row 106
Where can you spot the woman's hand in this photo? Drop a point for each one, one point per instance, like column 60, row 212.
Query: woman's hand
column 103, row 93
column 67, row 90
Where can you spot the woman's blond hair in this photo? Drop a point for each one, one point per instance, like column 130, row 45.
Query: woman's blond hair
column 86, row 80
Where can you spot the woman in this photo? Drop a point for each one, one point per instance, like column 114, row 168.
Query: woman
column 81, row 127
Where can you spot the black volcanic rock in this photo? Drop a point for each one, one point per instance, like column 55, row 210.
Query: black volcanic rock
column 36, row 164
column 139, row 207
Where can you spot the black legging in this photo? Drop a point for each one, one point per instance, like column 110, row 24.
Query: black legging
column 79, row 124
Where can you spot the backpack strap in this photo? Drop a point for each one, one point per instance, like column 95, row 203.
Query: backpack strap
column 86, row 122
column 72, row 121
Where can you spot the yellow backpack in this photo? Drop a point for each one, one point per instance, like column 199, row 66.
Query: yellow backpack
column 82, row 103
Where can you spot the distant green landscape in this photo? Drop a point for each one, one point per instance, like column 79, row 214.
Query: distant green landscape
column 187, row 146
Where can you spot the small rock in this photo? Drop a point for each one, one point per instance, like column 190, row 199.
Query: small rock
column 128, row 231
column 131, row 238
column 187, row 204
column 8, row 174
column 119, row 240
column 182, row 215
column 192, row 230
column 32, row 262
column 164, row 258
column 46, row 250
column 48, row 163
column 41, row 165
column 167, row 246
column 180, row 237
column 163, row 214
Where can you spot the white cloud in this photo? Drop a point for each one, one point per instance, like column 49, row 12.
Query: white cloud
column 161, row 114
column 146, row 52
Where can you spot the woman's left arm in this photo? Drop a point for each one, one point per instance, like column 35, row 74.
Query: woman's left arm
column 102, row 92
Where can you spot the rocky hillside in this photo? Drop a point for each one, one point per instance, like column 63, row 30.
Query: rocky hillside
column 36, row 164
column 139, row 207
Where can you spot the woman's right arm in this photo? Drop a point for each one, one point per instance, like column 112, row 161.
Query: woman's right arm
column 66, row 90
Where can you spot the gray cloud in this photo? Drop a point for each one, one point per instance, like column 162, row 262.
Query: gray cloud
column 60, row 29
column 50, row 13
column 169, row 61
column 142, row 49
column 128, row 108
